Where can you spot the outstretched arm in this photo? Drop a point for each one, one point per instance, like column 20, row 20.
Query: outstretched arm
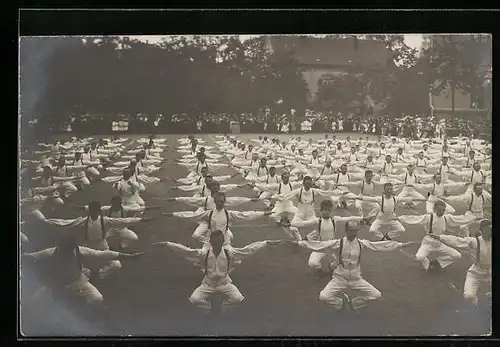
column 456, row 242
column 122, row 222
column 43, row 254
column 383, row 246
column 415, row 219
column 320, row 246
column 197, row 216
column 248, row 215
column 193, row 255
column 107, row 255
column 241, row 253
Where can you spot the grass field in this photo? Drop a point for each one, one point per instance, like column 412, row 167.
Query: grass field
column 150, row 296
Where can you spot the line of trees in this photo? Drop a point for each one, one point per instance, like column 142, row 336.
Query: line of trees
column 201, row 75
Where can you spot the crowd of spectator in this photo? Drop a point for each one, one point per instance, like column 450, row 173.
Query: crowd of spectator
column 310, row 122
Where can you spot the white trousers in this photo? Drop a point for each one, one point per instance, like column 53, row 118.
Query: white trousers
column 84, row 181
column 86, row 292
column 202, row 295
column 410, row 192
column 431, row 249
column 318, row 260
column 281, row 207
column 124, row 235
column 134, row 199
column 68, row 186
column 304, row 212
column 106, row 268
column 395, row 227
column 372, row 207
column 472, row 283
column 92, row 171
column 337, row 285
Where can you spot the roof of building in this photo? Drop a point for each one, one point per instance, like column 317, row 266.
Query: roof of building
column 334, row 51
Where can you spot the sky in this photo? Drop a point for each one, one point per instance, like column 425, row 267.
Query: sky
column 412, row 40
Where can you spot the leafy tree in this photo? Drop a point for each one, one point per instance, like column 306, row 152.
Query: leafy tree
column 343, row 93
column 455, row 62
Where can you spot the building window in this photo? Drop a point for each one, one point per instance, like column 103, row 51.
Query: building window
column 325, row 79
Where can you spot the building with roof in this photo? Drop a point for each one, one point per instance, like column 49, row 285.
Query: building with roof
column 322, row 58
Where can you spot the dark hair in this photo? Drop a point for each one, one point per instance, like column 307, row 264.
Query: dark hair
column 350, row 222
column 213, row 185
column 95, row 205
column 219, row 194
column 216, row 233
column 439, row 202
column 485, row 223
column 326, row 204
column 307, row 178
column 368, row 172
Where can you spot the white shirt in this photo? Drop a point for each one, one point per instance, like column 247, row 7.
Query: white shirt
column 438, row 189
column 350, row 253
column 285, row 188
column 477, row 205
column 315, row 161
column 126, row 190
column 387, row 168
column 327, row 230
column 445, row 154
column 219, row 220
column 410, row 179
column 342, row 178
column 353, row 157
column 438, row 225
column 94, row 237
column 443, row 170
column 485, row 254
column 307, row 196
column 421, row 162
column 327, row 170
column 477, row 176
column 469, row 162
column 367, row 188
column 217, row 268
column 382, row 152
column 86, row 157
column 389, row 207
column 272, row 179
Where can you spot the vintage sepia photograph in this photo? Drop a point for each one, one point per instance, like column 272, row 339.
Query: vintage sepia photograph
column 331, row 185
